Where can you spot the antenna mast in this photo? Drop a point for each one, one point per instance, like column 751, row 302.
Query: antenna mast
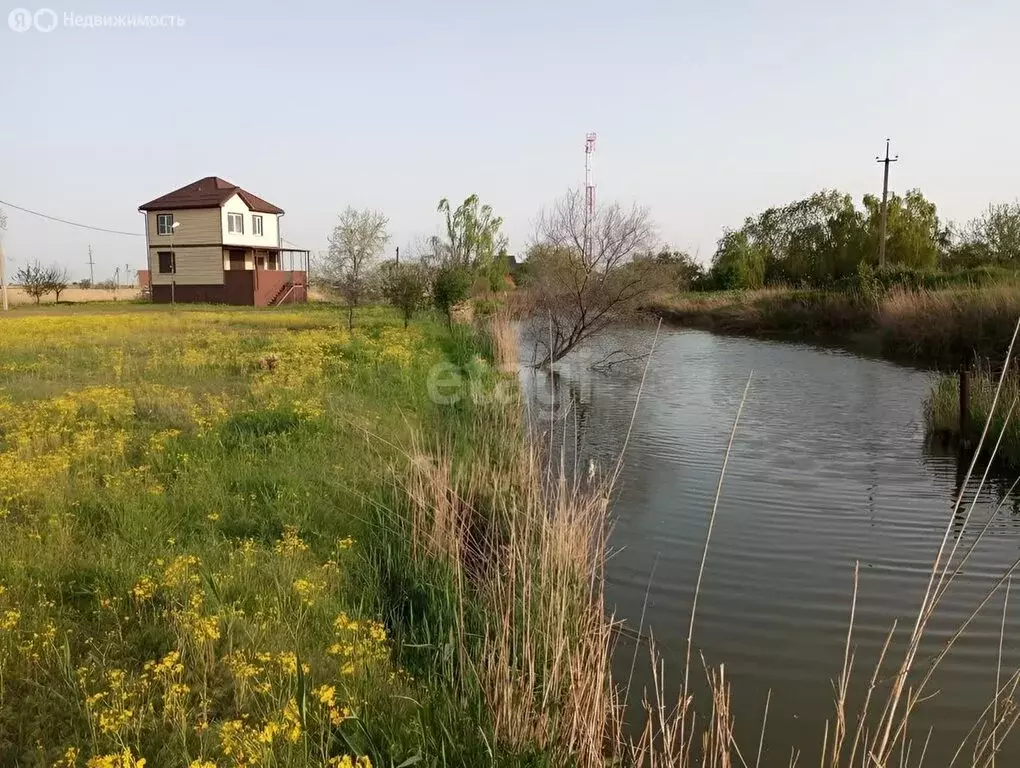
column 589, row 194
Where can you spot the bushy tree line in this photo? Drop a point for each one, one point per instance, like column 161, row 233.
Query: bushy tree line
column 438, row 270
column 584, row 269
column 826, row 238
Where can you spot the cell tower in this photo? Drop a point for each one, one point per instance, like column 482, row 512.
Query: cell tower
column 589, row 193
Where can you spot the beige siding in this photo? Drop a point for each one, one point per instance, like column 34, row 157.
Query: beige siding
column 270, row 237
column 195, row 266
column 198, row 226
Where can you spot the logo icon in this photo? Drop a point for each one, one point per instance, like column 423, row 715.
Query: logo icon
column 45, row 20
column 20, row 19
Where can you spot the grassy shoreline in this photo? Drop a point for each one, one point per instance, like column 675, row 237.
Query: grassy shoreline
column 943, row 328
column 253, row 538
column 942, row 413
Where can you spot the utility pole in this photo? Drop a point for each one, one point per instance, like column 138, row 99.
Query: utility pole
column 398, row 255
column 127, row 275
column 885, row 203
column 3, row 273
column 92, row 269
column 3, row 278
column 589, row 197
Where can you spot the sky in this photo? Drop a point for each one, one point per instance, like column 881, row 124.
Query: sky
column 706, row 112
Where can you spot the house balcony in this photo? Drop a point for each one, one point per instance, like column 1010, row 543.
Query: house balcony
column 256, row 277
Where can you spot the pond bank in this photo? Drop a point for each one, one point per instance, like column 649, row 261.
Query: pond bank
column 939, row 329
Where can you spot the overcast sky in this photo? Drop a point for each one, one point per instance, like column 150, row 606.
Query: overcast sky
column 706, row 111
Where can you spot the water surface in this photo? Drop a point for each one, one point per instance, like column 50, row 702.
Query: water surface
column 829, row 468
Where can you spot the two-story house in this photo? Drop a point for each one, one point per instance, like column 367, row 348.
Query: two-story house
column 212, row 241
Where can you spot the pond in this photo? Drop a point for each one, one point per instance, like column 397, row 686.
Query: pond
column 829, row 467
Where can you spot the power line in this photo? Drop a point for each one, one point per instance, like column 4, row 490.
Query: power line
column 71, row 223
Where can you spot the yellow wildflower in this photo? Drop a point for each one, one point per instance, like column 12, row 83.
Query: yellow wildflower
column 69, row 760
column 290, row 543
column 182, row 572
column 326, row 694
column 112, row 720
column 9, row 620
column 308, row 591
column 118, row 760
column 269, row 732
column 338, row 714
column 292, row 722
column 201, row 764
column 145, row 589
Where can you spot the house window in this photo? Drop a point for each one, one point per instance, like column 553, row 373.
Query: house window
column 256, row 225
column 164, row 223
column 235, row 223
column 167, row 263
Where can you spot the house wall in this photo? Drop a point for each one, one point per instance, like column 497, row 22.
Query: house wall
column 202, row 265
column 198, row 226
column 249, row 259
column 270, row 226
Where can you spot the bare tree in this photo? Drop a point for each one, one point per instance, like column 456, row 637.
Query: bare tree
column 58, row 281
column 357, row 240
column 582, row 279
column 35, row 280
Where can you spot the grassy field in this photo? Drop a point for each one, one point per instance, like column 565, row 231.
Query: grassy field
column 940, row 328
column 184, row 504
column 16, row 295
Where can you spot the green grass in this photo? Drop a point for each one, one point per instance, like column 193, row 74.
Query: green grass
column 185, row 486
column 942, row 412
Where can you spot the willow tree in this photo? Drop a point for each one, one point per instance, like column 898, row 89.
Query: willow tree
column 473, row 239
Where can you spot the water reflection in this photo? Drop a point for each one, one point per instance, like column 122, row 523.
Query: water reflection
column 829, row 468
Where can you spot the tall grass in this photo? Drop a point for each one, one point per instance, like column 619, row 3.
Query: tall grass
column 522, row 549
column 942, row 409
column 505, row 344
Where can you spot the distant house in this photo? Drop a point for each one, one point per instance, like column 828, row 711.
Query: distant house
column 212, row 241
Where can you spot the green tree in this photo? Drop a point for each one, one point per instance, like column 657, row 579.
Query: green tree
column 993, row 237
column 738, row 262
column 912, row 233
column 404, row 287
column 473, row 237
column 450, row 286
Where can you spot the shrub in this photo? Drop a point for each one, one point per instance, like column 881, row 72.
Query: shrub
column 451, row 287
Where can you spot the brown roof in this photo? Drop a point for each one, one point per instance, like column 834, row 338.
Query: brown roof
column 210, row 192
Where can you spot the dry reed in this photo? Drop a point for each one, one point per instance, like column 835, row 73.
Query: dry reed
column 504, row 337
column 530, row 545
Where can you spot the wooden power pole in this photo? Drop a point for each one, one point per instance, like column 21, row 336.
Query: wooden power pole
column 885, row 203
column 3, row 278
